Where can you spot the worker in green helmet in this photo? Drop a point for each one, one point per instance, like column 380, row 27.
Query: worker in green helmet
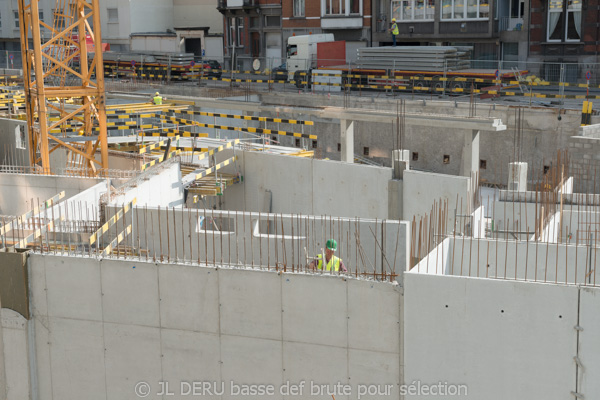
column 332, row 263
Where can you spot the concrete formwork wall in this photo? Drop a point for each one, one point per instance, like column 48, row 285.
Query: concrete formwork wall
column 102, row 326
column 15, row 360
column 542, row 262
column 266, row 240
column 308, row 186
column 502, row 339
column 18, row 190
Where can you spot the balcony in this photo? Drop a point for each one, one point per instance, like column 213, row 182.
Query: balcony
column 223, row 4
column 510, row 24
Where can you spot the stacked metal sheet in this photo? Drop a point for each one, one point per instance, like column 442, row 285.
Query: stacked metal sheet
column 415, row 58
column 175, row 58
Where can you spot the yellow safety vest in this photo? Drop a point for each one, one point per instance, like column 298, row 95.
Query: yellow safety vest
column 395, row 30
column 333, row 262
column 157, row 100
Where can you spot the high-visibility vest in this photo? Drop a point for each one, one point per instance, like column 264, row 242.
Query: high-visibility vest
column 157, row 100
column 334, row 262
column 395, row 30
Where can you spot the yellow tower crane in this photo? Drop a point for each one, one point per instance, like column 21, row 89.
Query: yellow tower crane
column 64, row 87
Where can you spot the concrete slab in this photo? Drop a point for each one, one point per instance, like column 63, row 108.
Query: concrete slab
column 133, row 355
column 74, row 288
column 245, row 313
column 373, row 316
column 481, row 339
column 315, row 310
column 190, row 357
column 16, row 361
column 251, row 361
column 589, row 345
column 189, row 298
column 130, row 292
column 321, row 367
column 374, row 375
column 77, row 354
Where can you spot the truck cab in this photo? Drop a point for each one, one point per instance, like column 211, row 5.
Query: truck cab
column 301, row 52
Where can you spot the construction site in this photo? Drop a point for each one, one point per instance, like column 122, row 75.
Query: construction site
column 174, row 248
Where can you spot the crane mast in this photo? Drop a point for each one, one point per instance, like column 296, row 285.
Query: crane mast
column 64, row 86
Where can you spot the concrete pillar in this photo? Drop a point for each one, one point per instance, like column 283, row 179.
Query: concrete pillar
column 401, row 162
column 470, row 154
column 347, row 140
column 3, row 388
column 517, row 176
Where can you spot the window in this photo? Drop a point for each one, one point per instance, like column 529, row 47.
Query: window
column 564, row 20
column 272, row 20
column 240, row 32
column 365, row 151
column 236, row 30
column 16, row 16
column 298, row 8
column 41, row 14
column 413, row 10
column 297, row 142
column 58, row 19
column 341, row 7
column 446, row 159
column 482, row 164
column 314, row 144
column 113, row 15
column 339, row 147
column 465, row 9
column 0, row 20
column 415, row 156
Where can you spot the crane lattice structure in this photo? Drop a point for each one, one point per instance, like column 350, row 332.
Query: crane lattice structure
column 64, row 87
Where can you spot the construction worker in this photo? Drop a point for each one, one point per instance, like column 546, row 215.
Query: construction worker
column 394, row 30
column 333, row 263
column 157, row 99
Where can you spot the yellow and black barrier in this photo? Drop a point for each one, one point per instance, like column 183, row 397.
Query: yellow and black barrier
column 161, row 159
column 115, row 242
column 155, row 145
column 209, row 153
column 586, row 113
column 215, row 168
column 244, row 117
column 239, row 129
column 104, row 228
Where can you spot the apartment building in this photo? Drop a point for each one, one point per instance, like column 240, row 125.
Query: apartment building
column 152, row 25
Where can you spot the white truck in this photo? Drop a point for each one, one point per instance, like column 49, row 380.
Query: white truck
column 302, row 52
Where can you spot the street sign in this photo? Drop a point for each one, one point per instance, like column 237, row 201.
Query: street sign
column 588, row 75
column 133, row 63
column 192, row 63
column 11, row 56
column 203, row 52
column 497, row 74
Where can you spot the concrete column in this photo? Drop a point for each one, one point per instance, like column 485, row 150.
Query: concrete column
column 470, row 154
column 401, row 162
column 3, row 389
column 347, row 140
column 517, row 176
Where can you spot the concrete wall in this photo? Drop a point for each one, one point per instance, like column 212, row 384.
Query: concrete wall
column 543, row 133
column 151, row 15
column 9, row 130
column 421, row 189
column 502, row 339
column 155, row 187
column 16, row 360
column 136, row 321
column 523, row 260
column 266, row 240
column 192, row 13
column 308, row 186
column 18, row 189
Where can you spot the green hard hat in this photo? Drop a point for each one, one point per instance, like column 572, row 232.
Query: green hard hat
column 331, row 244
